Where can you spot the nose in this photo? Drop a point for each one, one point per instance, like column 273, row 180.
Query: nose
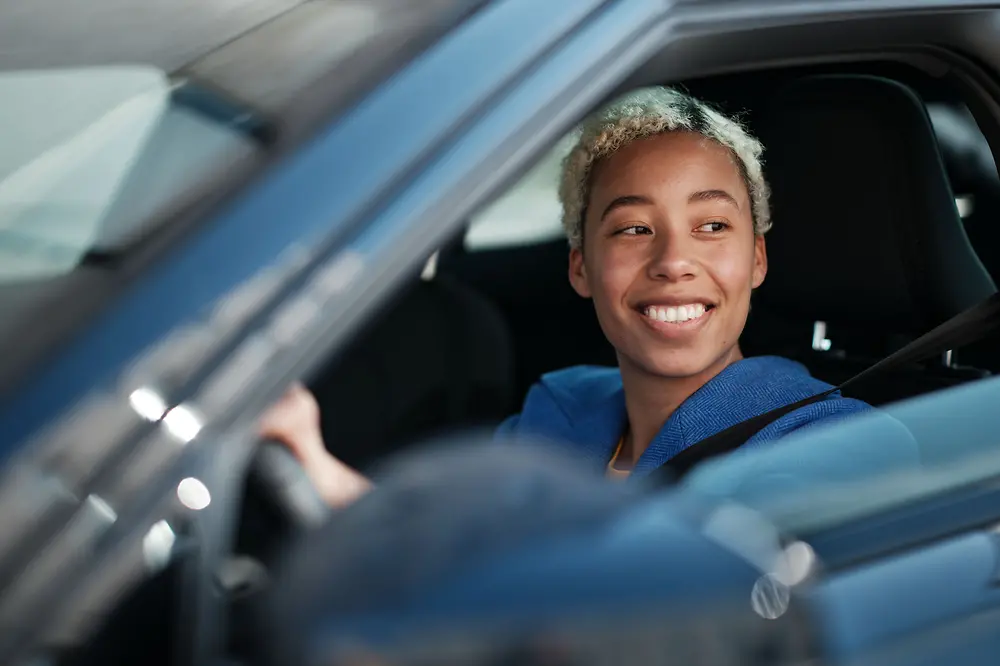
column 672, row 258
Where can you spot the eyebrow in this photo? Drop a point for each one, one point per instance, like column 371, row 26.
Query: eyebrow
column 701, row 195
column 714, row 195
column 628, row 200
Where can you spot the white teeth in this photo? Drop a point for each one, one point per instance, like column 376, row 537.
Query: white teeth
column 675, row 314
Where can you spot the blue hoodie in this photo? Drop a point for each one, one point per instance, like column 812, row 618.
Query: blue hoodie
column 584, row 407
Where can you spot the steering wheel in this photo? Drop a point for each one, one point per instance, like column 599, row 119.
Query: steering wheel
column 239, row 551
column 284, row 481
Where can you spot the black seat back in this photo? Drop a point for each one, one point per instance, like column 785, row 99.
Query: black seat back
column 552, row 326
column 867, row 238
column 439, row 358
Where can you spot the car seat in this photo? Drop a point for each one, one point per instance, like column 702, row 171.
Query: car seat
column 552, row 326
column 868, row 249
column 437, row 358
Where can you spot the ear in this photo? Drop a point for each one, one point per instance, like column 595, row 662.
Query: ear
column 578, row 273
column 759, row 261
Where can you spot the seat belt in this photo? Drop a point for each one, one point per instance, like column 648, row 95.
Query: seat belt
column 976, row 323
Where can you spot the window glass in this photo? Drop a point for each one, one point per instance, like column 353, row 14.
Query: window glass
column 527, row 213
column 91, row 152
column 89, row 155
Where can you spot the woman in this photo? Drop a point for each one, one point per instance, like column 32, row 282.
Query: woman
column 666, row 207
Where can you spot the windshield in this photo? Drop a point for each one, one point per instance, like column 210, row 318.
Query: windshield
column 106, row 123
column 867, row 464
column 89, row 155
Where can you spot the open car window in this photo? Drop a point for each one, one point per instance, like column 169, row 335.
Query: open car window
column 832, row 474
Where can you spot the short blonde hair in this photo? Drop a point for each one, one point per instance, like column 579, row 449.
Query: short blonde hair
column 648, row 112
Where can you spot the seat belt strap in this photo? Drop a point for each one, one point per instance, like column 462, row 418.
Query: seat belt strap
column 977, row 323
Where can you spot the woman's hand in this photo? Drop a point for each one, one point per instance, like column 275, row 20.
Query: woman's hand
column 295, row 422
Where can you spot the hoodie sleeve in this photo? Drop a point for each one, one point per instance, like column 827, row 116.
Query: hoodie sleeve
column 557, row 404
column 536, row 416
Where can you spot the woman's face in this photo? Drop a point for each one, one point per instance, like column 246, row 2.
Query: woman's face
column 669, row 254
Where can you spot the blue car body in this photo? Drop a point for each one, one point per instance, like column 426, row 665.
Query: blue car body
column 314, row 242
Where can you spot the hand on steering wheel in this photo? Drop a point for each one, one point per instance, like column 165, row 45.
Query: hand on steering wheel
column 294, row 422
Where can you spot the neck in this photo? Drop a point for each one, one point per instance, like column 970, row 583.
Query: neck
column 651, row 399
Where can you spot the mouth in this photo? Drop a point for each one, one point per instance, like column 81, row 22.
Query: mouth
column 676, row 315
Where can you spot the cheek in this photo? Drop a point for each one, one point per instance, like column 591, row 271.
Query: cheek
column 733, row 272
column 612, row 275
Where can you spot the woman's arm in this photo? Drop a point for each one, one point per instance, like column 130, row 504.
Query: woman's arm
column 295, row 422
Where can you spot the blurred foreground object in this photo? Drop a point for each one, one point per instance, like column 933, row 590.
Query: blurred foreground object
column 508, row 553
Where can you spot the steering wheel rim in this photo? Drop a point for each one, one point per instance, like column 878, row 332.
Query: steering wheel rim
column 285, row 482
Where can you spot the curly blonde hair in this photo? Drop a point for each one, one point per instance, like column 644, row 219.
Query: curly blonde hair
column 648, row 112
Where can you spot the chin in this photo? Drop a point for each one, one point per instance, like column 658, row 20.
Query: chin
column 678, row 365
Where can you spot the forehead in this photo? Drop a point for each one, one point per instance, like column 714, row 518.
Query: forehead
column 676, row 162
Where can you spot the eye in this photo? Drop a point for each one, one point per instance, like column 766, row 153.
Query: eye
column 634, row 230
column 714, row 227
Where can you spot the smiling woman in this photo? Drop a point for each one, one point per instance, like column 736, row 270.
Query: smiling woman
column 677, row 235
column 665, row 207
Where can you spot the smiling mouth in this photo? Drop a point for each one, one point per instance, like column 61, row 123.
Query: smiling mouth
column 676, row 314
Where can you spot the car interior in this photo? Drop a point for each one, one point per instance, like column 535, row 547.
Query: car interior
column 876, row 152
column 873, row 151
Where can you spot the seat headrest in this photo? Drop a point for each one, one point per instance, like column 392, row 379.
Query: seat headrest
column 866, row 229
